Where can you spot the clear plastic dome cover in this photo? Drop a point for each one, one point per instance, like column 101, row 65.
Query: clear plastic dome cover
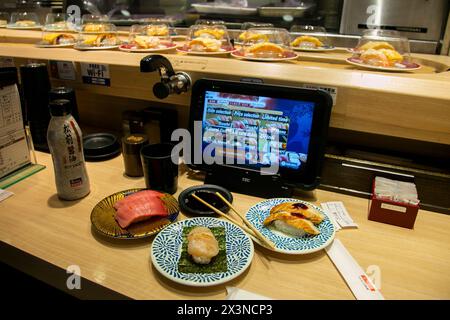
column 150, row 36
column 92, row 18
column 249, row 25
column 310, row 37
column 58, row 22
column 266, row 43
column 159, row 20
column 155, row 29
column 4, row 18
column 24, row 20
column 382, row 48
column 98, row 34
column 208, row 38
column 209, row 22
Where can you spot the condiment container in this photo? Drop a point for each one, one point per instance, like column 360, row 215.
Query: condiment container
column 65, row 141
column 131, row 148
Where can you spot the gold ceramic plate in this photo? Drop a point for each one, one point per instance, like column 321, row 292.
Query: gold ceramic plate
column 103, row 221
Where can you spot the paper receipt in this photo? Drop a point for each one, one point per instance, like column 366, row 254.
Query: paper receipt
column 337, row 210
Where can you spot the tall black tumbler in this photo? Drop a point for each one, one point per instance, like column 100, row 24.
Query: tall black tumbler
column 35, row 89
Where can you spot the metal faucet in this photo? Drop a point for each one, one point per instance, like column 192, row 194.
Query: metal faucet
column 171, row 81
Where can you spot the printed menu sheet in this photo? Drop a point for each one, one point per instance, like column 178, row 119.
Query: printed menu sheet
column 14, row 152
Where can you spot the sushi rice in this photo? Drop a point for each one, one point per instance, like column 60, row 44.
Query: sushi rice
column 287, row 229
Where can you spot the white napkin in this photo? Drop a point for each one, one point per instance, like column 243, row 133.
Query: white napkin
column 5, row 194
column 239, row 294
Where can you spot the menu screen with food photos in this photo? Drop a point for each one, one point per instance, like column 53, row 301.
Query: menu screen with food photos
column 256, row 131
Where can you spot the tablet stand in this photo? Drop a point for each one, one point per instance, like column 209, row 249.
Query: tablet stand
column 248, row 182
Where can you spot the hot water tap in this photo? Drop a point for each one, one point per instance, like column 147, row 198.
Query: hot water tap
column 171, row 81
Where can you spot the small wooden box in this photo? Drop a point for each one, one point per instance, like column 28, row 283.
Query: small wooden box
column 392, row 212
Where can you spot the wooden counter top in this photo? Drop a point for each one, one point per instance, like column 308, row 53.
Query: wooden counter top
column 414, row 263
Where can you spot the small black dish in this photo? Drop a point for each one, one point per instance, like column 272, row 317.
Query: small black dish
column 208, row 193
column 100, row 146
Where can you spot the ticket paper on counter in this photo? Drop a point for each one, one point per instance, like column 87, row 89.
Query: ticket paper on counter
column 4, row 194
column 342, row 219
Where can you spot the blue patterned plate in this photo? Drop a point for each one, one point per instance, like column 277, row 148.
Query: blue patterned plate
column 166, row 252
column 288, row 244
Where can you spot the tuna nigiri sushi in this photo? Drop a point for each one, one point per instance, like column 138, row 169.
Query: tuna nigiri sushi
column 139, row 206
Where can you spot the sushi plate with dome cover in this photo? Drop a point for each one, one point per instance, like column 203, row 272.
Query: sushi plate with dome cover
column 284, row 243
column 166, row 251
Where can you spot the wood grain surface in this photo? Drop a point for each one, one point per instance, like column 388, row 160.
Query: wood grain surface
column 414, row 263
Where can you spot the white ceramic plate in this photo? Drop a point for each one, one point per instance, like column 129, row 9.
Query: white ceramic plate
column 166, row 252
column 123, row 48
column 197, row 53
column 67, row 45
column 321, row 49
column 23, row 28
column 288, row 244
column 95, row 48
column 240, row 56
column 408, row 67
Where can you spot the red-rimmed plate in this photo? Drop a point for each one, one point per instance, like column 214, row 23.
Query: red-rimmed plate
column 223, row 50
column 161, row 48
column 288, row 55
column 399, row 67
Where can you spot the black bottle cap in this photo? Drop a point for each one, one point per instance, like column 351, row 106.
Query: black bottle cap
column 67, row 94
column 60, row 107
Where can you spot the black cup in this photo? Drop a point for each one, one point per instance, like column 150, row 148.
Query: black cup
column 160, row 172
column 35, row 88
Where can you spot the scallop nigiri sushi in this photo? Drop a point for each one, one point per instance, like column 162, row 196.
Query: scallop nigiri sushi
column 202, row 245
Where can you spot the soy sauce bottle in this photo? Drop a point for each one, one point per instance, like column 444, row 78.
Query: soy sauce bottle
column 65, row 141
